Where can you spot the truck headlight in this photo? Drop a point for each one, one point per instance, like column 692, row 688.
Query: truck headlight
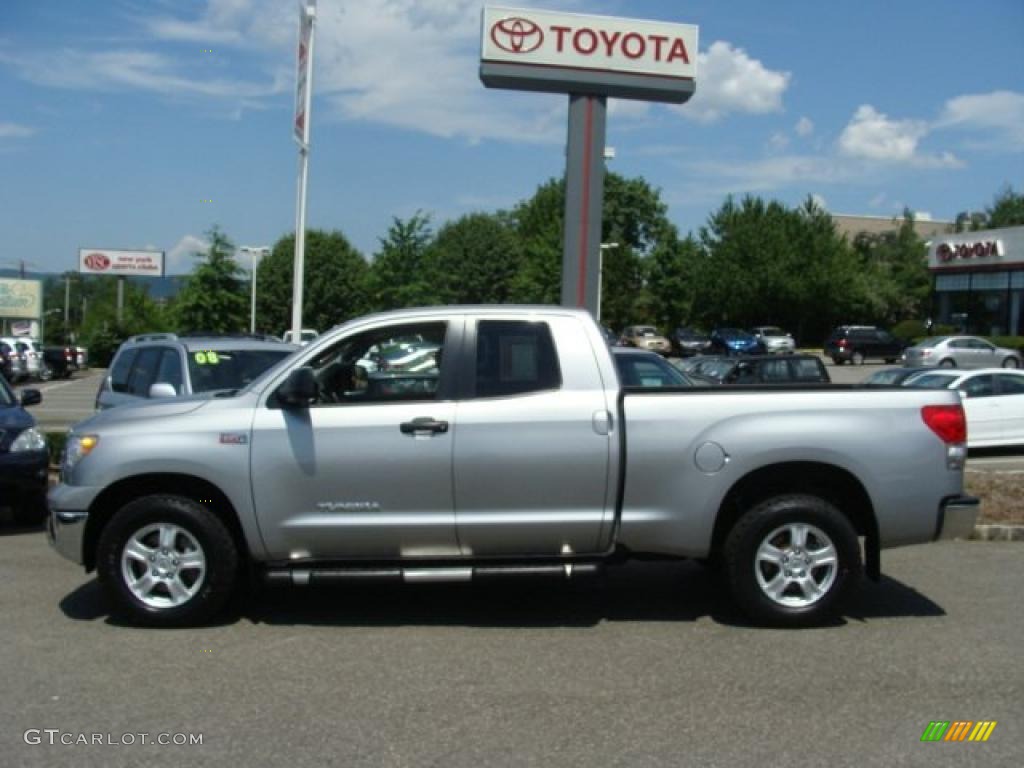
column 29, row 440
column 77, row 448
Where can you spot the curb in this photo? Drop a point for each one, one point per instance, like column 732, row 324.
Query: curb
column 998, row 532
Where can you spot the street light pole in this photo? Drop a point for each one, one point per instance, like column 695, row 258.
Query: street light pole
column 600, row 270
column 253, row 252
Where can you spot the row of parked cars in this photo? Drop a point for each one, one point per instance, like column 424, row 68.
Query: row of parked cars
column 687, row 341
column 22, row 359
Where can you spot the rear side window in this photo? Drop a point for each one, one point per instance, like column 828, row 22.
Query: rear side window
column 807, row 370
column 515, row 357
column 122, row 367
column 775, row 370
column 170, row 369
column 979, row 386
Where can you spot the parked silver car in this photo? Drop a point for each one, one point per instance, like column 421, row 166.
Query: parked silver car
column 159, row 365
column 960, row 352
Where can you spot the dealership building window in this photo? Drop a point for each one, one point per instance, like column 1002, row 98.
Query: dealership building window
column 978, row 281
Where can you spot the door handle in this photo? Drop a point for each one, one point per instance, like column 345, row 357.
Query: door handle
column 423, row 424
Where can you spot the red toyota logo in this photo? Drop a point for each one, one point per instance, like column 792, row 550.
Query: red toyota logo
column 97, row 261
column 517, row 35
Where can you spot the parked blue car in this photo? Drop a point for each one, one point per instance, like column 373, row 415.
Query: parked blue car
column 733, row 341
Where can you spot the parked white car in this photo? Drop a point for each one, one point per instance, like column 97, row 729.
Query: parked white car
column 993, row 401
column 306, row 335
column 775, row 340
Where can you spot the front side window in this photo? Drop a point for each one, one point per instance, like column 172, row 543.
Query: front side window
column 119, row 372
column 515, row 357
column 1010, row 384
column 400, row 363
column 144, row 371
column 978, row 386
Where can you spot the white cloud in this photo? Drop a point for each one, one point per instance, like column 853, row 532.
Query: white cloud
column 872, row 135
column 132, row 69
column 804, row 127
column 728, row 81
column 15, row 131
column 877, row 201
column 180, row 257
column 820, row 201
column 778, row 142
column 999, row 113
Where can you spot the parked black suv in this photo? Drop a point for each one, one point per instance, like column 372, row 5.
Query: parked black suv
column 23, row 457
column 763, row 369
column 857, row 343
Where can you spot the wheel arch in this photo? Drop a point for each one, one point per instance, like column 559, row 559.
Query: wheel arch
column 834, row 484
column 128, row 489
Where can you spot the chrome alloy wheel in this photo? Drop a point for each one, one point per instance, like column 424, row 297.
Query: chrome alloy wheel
column 163, row 565
column 796, row 565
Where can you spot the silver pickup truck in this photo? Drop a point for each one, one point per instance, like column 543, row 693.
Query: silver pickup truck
column 457, row 443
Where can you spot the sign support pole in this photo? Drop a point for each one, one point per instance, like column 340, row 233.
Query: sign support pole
column 584, row 198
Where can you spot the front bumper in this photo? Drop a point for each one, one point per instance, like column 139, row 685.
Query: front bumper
column 956, row 519
column 23, row 475
column 68, row 516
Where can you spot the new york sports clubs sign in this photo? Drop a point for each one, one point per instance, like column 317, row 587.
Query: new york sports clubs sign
column 105, row 261
column 529, row 49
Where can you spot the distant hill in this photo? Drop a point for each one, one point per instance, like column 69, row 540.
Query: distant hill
column 159, row 287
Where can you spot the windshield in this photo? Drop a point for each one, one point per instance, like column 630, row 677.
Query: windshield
column 648, row 371
column 771, row 330
column 646, row 330
column 6, row 396
column 733, row 334
column 230, row 368
column 930, row 381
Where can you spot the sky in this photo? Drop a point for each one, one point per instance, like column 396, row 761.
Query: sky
column 142, row 123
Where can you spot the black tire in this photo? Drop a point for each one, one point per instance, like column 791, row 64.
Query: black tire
column 762, row 525
column 212, row 588
column 890, row 360
column 1011, row 362
column 838, row 361
column 857, row 358
column 947, row 363
column 30, row 511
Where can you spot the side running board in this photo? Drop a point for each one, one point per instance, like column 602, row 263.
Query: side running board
column 425, row 575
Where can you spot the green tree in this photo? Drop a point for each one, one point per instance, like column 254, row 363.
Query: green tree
column 214, row 297
column 1007, row 210
column 898, row 265
column 398, row 276
column 765, row 263
column 335, row 287
column 672, row 281
column 474, row 260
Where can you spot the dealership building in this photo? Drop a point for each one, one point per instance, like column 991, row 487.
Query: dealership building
column 978, row 280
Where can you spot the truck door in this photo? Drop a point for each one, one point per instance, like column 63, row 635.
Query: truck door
column 532, row 440
column 366, row 469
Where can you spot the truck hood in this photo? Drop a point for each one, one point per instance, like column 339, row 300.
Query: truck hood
column 136, row 411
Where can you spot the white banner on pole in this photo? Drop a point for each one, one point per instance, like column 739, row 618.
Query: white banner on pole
column 303, row 73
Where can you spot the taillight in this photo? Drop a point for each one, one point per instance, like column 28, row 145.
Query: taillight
column 947, row 421
column 842, row 342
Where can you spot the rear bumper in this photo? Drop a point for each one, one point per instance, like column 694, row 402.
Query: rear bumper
column 956, row 519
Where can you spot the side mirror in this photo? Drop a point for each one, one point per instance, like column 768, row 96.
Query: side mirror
column 162, row 389
column 299, row 389
column 30, row 397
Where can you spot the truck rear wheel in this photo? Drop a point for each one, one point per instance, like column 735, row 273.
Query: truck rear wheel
column 167, row 561
column 791, row 560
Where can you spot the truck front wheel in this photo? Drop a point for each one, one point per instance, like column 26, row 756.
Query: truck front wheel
column 167, row 561
column 791, row 560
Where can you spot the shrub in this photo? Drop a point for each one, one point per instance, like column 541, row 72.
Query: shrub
column 55, row 445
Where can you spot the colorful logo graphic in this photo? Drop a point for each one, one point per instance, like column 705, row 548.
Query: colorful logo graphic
column 958, row 730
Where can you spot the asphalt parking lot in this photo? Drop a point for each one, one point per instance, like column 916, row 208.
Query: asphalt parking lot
column 647, row 667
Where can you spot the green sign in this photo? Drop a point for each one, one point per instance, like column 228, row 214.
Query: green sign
column 21, row 298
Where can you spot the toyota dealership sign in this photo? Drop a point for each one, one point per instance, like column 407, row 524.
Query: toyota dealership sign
column 573, row 53
column 104, row 261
